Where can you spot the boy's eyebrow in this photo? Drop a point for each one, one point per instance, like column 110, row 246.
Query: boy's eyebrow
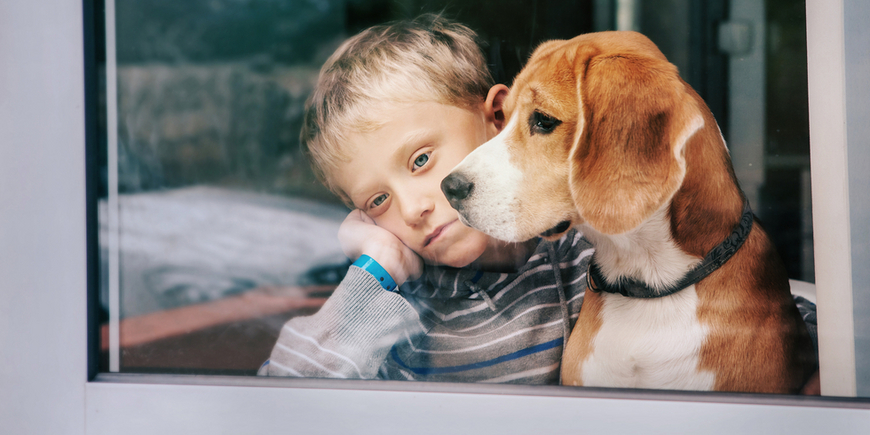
column 409, row 143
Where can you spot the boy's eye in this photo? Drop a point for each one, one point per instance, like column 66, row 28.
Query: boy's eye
column 542, row 124
column 378, row 200
column 421, row 161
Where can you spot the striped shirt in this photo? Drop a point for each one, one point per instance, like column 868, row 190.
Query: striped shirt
column 456, row 325
column 450, row 325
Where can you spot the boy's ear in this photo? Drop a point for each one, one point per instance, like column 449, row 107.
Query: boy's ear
column 494, row 105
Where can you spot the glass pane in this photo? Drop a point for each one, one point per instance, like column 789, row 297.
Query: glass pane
column 214, row 229
column 222, row 232
column 217, row 225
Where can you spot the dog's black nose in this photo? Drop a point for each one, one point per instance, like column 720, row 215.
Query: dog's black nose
column 456, row 188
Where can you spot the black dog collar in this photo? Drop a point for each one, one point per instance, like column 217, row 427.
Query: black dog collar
column 717, row 256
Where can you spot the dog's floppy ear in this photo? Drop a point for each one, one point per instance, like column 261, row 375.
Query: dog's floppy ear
column 635, row 117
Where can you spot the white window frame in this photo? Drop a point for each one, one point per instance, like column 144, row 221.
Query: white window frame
column 44, row 386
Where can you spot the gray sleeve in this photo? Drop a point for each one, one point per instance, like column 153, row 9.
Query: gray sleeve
column 349, row 337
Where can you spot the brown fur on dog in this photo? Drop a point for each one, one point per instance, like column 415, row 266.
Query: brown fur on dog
column 633, row 144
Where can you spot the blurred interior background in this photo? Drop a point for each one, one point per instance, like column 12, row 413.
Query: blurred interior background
column 222, row 231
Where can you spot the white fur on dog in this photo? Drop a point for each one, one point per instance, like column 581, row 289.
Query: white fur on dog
column 492, row 203
column 647, row 253
column 649, row 343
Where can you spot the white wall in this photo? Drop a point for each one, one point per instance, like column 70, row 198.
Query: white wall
column 42, row 218
column 43, row 388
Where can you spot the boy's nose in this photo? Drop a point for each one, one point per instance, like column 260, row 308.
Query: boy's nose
column 456, row 188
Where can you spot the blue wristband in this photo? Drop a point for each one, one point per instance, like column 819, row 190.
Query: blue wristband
column 371, row 266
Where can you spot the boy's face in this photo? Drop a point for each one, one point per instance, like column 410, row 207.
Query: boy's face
column 394, row 175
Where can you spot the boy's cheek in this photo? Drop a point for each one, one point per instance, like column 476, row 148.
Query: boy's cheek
column 396, row 231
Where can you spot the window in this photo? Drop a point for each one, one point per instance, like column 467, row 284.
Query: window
column 230, row 404
column 213, row 229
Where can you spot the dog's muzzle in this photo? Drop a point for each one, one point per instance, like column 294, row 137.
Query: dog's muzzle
column 456, row 188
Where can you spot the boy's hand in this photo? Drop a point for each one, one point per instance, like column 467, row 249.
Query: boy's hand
column 359, row 235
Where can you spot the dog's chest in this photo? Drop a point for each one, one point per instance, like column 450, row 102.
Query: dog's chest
column 648, row 343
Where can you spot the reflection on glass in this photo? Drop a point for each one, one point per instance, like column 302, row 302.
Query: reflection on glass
column 222, row 232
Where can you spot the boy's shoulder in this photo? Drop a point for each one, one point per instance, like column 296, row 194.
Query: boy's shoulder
column 572, row 245
column 572, row 251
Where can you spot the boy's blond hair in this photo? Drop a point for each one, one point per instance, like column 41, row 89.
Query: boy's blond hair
column 426, row 59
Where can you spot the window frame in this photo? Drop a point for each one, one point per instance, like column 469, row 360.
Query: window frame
column 47, row 265
column 837, row 47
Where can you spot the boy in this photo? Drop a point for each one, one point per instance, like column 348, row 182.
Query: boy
column 395, row 109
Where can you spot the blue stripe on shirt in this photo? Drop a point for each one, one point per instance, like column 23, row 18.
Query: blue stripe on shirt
column 461, row 368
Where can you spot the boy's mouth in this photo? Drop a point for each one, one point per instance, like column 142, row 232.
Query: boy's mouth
column 434, row 234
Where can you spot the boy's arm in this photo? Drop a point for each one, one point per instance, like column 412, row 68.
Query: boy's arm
column 349, row 337
column 354, row 330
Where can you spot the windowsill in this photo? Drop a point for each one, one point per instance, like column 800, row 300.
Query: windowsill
column 496, row 389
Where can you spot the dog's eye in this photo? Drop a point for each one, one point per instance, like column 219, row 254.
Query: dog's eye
column 543, row 124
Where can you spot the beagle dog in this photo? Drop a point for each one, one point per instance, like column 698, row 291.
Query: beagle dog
column 686, row 291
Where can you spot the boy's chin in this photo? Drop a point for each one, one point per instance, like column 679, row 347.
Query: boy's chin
column 458, row 264
column 461, row 250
